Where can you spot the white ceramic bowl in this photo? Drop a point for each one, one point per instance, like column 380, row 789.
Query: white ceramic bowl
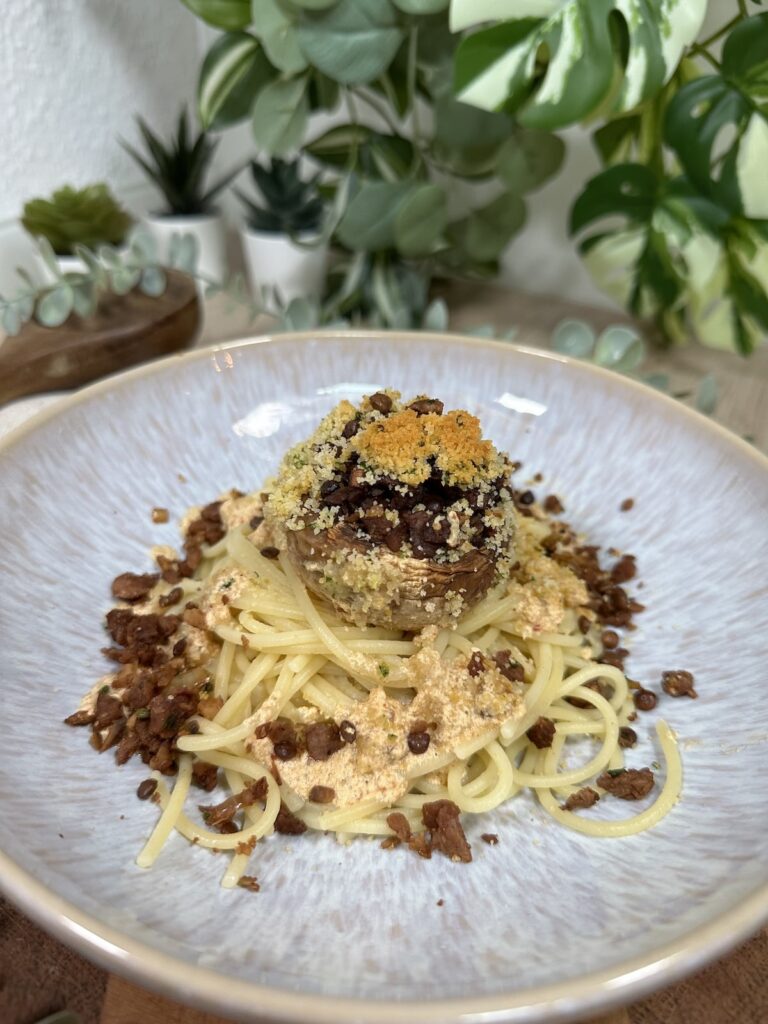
column 545, row 926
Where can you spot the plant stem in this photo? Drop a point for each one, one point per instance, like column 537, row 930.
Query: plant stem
column 350, row 101
column 413, row 43
column 378, row 108
column 724, row 29
column 699, row 51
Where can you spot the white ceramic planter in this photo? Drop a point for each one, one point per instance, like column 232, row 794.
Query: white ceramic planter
column 275, row 261
column 66, row 264
column 208, row 229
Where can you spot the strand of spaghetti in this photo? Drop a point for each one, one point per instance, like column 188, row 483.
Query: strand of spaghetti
column 491, row 610
column 212, row 736
column 167, row 820
column 417, row 800
column 265, row 602
column 496, row 794
column 370, row 826
column 662, row 805
column 343, row 631
column 332, row 819
column 247, row 556
column 223, row 669
column 216, row 840
column 359, row 665
column 548, row 662
column 314, row 695
column 592, row 767
column 259, row 669
column 560, row 639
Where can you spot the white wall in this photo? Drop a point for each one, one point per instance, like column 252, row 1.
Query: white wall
column 73, row 73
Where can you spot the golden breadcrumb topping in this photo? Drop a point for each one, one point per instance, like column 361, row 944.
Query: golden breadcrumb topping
column 403, row 444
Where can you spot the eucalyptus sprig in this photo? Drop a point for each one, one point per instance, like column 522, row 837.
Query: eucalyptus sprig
column 622, row 349
column 105, row 270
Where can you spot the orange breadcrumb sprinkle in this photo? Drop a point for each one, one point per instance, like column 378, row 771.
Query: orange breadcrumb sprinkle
column 402, row 445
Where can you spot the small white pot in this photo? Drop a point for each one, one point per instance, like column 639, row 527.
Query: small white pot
column 66, row 264
column 275, row 261
column 208, row 229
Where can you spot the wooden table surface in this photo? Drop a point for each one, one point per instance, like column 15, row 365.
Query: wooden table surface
column 37, row 975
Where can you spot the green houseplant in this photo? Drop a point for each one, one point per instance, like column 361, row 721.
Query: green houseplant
column 419, row 185
column 676, row 226
column 441, row 98
column 282, row 241
column 179, row 169
column 89, row 216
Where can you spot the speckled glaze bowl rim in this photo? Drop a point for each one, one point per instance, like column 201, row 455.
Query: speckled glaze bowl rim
column 209, row 990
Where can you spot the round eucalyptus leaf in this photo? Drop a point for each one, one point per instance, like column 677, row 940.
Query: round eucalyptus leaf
column 45, row 249
column 706, row 395
column 84, row 298
column 55, row 306
column 620, row 348
column 301, row 314
column 420, row 221
column 183, row 252
column 436, row 316
column 352, row 42
column 660, row 381
column 142, row 246
column 110, row 257
column 25, row 304
column 314, row 5
column 123, row 279
column 276, row 28
column 280, row 116
column 400, row 319
column 153, row 281
column 529, row 158
column 482, row 331
column 11, row 319
column 574, row 338
column 369, row 221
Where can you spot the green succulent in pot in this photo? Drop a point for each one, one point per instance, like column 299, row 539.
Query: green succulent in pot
column 290, row 204
column 90, row 216
column 179, row 168
column 285, row 247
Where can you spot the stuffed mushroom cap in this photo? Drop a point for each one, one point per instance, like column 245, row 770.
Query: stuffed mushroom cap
column 398, row 514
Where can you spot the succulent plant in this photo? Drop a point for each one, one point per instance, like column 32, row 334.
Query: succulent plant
column 292, row 206
column 180, row 167
column 89, row 216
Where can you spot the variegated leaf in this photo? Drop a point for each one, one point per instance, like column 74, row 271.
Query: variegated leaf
column 718, row 127
column 500, row 66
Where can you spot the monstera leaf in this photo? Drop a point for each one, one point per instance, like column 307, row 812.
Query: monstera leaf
column 557, row 61
column 718, row 125
column 670, row 237
column 680, row 257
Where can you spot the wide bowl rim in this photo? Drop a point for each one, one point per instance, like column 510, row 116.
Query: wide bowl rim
column 599, row 990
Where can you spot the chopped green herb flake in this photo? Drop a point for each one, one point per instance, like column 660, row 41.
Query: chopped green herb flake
column 613, row 772
column 384, row 670
column 104, row 689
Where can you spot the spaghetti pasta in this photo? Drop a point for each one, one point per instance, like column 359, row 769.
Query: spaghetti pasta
column 266, row 680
